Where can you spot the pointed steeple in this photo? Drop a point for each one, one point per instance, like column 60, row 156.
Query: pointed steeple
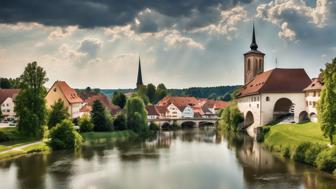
column 139, row 80
column 253, row 45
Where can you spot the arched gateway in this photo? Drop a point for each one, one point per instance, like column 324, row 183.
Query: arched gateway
column 283, row 108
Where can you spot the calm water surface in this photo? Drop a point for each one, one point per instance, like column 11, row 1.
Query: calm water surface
column 195, row 159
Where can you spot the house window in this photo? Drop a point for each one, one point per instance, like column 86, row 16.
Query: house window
column 257, row 105
column 314, row 93
column 55, row 89
column 267, row 98
column 314, row 104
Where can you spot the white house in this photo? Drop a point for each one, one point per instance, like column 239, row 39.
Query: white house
column 7, row 103
column 173, row 111
column 61, row 90
column 268, row 96
column 312, row 95
column 187, row 112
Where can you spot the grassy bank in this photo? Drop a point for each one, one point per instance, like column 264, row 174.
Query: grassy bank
column 303, row 143
column 26, row 149
column 294, row 134
column 13, row 144
column 117, row 135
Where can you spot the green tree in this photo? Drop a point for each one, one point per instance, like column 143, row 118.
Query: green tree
column 136, row 115
column 57, row 113
column 30, row 106
column 120, row 122
column 161, row 92
column 151, row 93
column 64, row 136
column 327, row 104
column 85, row 124
column 99, row 117
column 230, row 117
column 5, row 83
column 119, row 99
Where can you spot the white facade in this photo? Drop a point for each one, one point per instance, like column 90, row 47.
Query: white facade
column 75, row 110
column 188, row 112
column 262, row 107
column 173, row 112
column 7, row 108
column 312, row 97
column 152, row 117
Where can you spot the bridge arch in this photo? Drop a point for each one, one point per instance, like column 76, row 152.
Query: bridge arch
column 282, row 107
column 205, row 123
column 249, row 119
column 303, row 117
column 188, row 124
column 313, row 117
column 166, row 126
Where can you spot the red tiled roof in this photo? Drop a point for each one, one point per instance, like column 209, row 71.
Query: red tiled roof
column 161, row 109
column 316, row 84
column 104, row 100
column 278, row 80
column 178, row 101
column 69, row 93
column 5, row 93
column 151, row 110
column 86, row 108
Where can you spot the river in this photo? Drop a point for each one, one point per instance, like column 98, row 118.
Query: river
column 195, row 159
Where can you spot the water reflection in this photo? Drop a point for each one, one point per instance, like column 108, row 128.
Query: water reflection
column 195, row 158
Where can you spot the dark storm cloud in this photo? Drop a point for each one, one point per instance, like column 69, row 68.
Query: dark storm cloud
column 97, row 13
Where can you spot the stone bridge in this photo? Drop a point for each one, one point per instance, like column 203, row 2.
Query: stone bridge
column 184, row 122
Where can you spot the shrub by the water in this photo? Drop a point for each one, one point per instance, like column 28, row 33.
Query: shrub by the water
column 64, row 136
column 286, row 152
column 154, row 127
column 120, row 122
column 230, row 118
column 307, row 152
column 85, row 124
column 261, row 134
column 326, row 160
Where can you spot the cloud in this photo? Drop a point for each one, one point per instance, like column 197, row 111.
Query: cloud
column 279, row 10
column 227, row 22
column 84, row 52
column 61, row 32
column 92, row 13
column 174, row 38
column 286, row 33
column 90, row 47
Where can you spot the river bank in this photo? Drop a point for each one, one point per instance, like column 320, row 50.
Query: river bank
column 303, row 143
column 14, row 145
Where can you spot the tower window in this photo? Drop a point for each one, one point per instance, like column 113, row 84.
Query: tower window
column 248, row 65
column 260, row 65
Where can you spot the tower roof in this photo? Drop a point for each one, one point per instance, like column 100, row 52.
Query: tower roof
column 139, row 80
column 253, row 45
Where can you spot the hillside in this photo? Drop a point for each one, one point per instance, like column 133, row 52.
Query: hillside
column 219, row 92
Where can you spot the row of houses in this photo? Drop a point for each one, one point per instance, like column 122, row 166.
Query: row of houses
column 76, row 105
column 175, row 107
column 170, row 107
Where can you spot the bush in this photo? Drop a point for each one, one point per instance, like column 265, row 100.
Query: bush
column 307, row 152
column 326, row 160
column 154, row 127
column 230, row 118
column 286, row 152
column 120, row 122
column 261, row 133
column 64, row 136
column 4, row 137
column 85, row 124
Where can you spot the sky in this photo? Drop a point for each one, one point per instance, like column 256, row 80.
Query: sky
column 182, row 44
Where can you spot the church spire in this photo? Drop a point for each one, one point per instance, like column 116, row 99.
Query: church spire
column 139, row 80
column 253, row 45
